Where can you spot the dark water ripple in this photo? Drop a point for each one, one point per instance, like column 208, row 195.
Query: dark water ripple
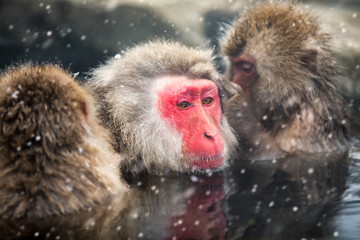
column 302, row 197
column 347, row 220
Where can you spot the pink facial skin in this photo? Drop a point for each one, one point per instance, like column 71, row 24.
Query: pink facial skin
column 193, row 108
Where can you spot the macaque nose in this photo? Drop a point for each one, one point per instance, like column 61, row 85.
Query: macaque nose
column 207, row 136
column 210, row 134
column 209, row 127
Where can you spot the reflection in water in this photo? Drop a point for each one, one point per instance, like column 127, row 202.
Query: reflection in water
column 97, row 223
column 177, row 207
column 285, row 199
column 347, row 220
column 295, row 198
column 203, row 218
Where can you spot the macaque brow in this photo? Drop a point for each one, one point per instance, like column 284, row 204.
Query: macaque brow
column 210, row 91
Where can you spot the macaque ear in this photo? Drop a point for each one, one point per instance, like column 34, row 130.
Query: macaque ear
column 309, row 60
column 221, row 93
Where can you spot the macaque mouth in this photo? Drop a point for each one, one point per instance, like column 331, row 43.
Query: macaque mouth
column 208, row 162
column 206, row 158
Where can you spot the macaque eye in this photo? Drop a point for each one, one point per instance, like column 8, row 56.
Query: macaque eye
column 245, row 66
column 207, row 100
column 183, row 104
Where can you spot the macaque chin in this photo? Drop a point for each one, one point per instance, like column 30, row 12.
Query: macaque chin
column 282, row 58
column 162, row 103
column 193, row 108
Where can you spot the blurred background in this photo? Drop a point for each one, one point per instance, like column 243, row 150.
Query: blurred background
column 81, row 34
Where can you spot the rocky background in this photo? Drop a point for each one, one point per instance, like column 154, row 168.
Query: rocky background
column 81, row 34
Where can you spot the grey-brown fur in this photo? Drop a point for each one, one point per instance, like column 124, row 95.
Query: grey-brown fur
column 296, row 96
column 123, row 87
column 253, row 140
column 55, row 158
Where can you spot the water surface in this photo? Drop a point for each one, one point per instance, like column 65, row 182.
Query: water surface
column 302, row 197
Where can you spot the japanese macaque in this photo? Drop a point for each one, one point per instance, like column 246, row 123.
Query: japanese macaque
column 282, row 59
column 162, row 103
column 55, row 157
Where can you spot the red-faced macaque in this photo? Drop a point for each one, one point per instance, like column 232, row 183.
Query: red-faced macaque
column 282, row 59
column 55, row 157
column 162, row 103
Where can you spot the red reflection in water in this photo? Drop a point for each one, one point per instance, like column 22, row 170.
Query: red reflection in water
column 204, row 218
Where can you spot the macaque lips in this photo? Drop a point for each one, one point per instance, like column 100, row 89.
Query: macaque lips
column 192, row 107
column 211, row 162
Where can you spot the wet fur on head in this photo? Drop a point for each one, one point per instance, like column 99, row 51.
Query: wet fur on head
column 294, row 59
column 55, row 157
column 124, row 87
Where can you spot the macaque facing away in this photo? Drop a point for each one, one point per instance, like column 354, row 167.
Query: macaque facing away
column 283, row 61
column 55, row 158
column 162, row 103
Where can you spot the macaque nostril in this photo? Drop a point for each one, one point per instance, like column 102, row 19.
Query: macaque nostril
column 208, row 136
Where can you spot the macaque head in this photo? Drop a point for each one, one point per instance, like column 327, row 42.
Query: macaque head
column 162, row 102
column 48, row 98
column 283, row 60
column 53, row 150
column 280, row 56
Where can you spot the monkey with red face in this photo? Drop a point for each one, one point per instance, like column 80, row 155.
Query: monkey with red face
column 55, row 157
column 162, row 103
column 282, row 59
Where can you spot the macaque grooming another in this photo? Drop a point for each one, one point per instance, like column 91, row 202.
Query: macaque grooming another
column 282, row 59
column 162, row 103
column 55, row 157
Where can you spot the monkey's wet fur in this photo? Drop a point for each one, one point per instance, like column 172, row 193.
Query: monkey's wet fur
column 283, row 59
column 55, row 157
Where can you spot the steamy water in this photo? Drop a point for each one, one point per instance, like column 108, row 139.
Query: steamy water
column 302, row 197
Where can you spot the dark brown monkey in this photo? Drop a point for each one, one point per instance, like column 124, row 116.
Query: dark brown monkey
column 55, row 158
column 162, row 103
column 281, row 57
